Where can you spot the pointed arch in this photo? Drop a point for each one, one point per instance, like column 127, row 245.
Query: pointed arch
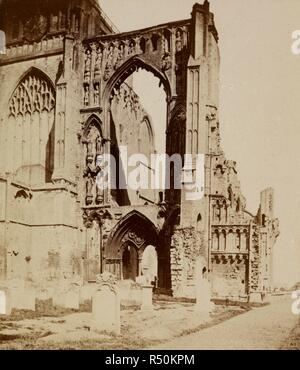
column 146, row 136
column 36, row 84
column 30, row 128
column 126, row 69
column 92, row 121
column 144, row 232
column 93, row 149
column 126, row 244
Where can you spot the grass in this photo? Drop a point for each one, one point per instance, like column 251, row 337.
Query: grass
column 131, row 338
column 293, row 341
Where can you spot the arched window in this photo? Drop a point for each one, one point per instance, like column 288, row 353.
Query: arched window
column 199, row 220
column 230, row 242
column 146, row 138
column 244, row 240
column 29, row 133
column 222, row 241
column 215, row 240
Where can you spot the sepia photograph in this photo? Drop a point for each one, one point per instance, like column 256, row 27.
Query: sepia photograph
column 149, row 177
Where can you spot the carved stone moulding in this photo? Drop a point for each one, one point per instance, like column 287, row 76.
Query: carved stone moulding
column 157, row 46
column 226, row 229
column 34, row 94
column 211, row 114
column 95, row 214
column 107, row 279
column 137, row 239
column 225, row 258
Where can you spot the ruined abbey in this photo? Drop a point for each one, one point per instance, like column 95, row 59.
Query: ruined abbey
column 66, row 99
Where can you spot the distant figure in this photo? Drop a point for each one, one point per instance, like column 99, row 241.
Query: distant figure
column 2, row 42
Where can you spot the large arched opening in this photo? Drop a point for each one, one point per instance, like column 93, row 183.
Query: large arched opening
column 128, row 247
column 137, row 105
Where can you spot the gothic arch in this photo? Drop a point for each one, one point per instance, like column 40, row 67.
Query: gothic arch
column 30, row 128
column 93, row 149
column 126, row 69
column 95, row 121
column 134, row 231
column 32, row 71
column 144, row 231
column 177, row 129
column 147, row 137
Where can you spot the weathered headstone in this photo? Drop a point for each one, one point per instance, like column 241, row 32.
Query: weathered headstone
column 59, row 299
column 5, row 308
column 67, row 296
column 203, row 296
column 72, row 297
column 86, row 293
column 44, row 294
column 130, row 293
column 72, row 300
column 106, row 305
column 203, row 290
column 22, row 299
column 147, row 292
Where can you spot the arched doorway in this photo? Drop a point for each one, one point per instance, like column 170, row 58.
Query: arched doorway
column 127, row 244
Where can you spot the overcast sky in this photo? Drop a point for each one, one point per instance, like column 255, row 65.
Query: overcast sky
column 259, row 100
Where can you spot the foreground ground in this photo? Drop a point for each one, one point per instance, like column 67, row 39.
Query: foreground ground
column 269, row 327
column 171, row 325
column 140, row 329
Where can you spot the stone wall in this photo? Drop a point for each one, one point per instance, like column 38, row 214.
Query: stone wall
column 186, row 247
column 229, row 278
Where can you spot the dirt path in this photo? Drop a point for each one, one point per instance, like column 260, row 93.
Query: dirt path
column 261, row 328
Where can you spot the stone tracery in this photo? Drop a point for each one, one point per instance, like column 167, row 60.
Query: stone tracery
column 34, row 94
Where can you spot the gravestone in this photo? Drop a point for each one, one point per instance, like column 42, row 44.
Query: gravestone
column 22, row 299
column 86, row 293
column 203, row 296
column 5, row 308
column 130, row 293
column 72, row 297
column 203, row 289
column 106, row 305
column 147, row 292
column 44, row 294
column 67, row 296
column 59, row 299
